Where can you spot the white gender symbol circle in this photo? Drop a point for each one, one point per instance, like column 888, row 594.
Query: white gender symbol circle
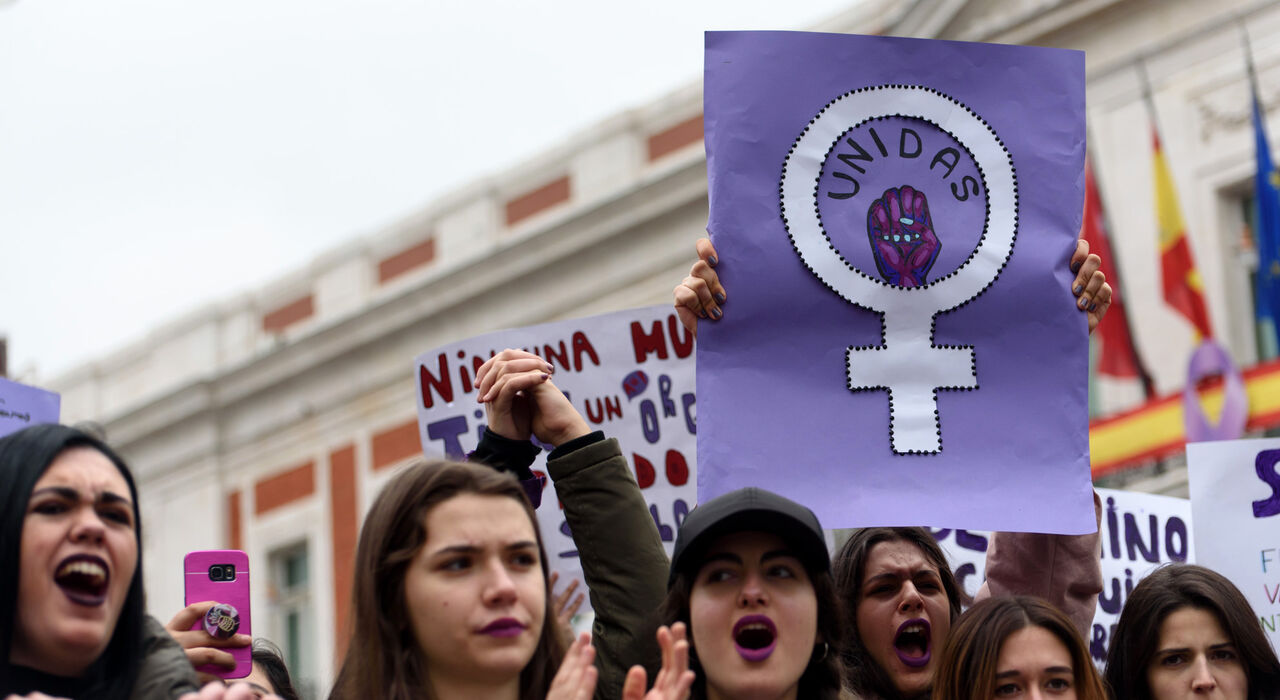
column 908, row 365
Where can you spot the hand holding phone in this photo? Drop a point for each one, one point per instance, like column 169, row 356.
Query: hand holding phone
column 216, row 627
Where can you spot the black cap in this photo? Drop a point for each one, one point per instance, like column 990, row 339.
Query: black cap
column 749, row 509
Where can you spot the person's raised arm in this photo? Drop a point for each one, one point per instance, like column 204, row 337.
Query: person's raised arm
column 623, row 563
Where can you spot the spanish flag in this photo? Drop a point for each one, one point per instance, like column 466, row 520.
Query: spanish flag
column 1182, row 288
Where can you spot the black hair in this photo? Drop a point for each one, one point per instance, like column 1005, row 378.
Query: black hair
column 1174, row 587
column 24, row 458
column 267, row 655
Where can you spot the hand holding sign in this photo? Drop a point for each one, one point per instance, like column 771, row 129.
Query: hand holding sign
column 696, row 295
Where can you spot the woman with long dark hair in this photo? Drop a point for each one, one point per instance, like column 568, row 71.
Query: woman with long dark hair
column 72, row 620
column 1187, row 631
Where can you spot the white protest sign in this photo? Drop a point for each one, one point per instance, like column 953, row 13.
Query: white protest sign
column 1140, row 531
column 630, row 374
column 1235, row 496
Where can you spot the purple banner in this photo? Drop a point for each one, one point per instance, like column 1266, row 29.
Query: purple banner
column 22, row 405
column 894, row 219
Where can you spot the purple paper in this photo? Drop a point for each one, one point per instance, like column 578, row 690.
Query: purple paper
column 897, row 214
column 22, row 406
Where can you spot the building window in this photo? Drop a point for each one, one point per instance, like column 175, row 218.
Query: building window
column 291, row 616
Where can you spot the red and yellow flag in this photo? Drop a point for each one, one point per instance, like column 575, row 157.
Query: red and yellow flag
column 1182, row 288
column 1117, row 356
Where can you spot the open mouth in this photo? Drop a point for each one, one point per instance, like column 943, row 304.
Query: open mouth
column 912, row 642
column 83, row 578
column 755, row 637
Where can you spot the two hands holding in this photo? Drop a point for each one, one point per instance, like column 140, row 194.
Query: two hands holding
column 701, row 296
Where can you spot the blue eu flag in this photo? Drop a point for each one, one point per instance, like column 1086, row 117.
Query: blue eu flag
column 1267, row 183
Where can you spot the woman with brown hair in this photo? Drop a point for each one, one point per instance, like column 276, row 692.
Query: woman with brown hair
column 451, row 598
column 1016, row 647
column 1187, row 631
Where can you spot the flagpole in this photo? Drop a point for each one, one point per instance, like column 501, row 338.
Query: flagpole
column 1147, row 98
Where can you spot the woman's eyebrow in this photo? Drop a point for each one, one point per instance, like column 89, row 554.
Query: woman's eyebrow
column 61, row 491
column 112, row 497
column 73, row 495
column 723, row 556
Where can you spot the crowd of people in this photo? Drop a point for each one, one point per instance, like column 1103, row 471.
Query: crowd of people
column 452, row 596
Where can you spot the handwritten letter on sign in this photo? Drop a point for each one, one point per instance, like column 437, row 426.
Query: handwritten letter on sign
column 1235, row 499
column 629, row 374
column 894, row 219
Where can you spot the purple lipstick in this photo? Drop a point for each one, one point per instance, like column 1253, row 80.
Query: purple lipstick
column 912, row 643
column 503, row 627
column 755, row 637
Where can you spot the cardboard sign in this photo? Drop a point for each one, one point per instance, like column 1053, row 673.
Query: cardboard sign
column 629, row 374
column 1140, row 531
column 22, row 406
column 1235, row 498
column 894, row 220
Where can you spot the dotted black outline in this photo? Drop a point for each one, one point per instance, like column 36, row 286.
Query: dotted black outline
column 933, row 324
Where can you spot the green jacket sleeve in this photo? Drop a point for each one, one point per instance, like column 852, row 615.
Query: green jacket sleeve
column 165, row 673
column 622, row 557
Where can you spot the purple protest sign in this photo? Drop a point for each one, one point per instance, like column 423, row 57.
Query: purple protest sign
column 22, row 405
column 894, row 219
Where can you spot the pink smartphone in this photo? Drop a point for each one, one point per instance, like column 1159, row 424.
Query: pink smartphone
column 221, row 575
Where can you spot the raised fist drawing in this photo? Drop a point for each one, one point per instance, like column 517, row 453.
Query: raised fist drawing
column 902, row 237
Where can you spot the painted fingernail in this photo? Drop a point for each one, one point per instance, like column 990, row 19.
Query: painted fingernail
column 1082, row 302
column 1075, row 266
column 719, row 297
column 1093, row 306
column 715, row 313
column 713, row 261
column 1078, row 288
column 702, row 313
column 544, row 376
column 550, row 369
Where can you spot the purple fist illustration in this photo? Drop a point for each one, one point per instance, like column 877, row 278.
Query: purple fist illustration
column 902, row 237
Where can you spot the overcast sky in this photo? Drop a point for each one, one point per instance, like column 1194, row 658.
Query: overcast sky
column 159, row 155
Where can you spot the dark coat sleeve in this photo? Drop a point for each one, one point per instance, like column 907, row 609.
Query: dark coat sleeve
column 622, row 557
column 165, row 673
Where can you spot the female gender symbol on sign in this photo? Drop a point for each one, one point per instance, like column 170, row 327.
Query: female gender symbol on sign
column 907, row 364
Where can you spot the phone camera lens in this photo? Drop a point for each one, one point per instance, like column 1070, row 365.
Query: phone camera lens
column 215, row 573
